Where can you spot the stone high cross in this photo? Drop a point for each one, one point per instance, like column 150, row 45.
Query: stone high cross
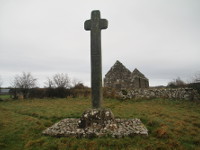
column 95, row 25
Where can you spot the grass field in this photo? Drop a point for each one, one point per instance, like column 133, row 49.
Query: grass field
column 171, row 124
column 3, row 97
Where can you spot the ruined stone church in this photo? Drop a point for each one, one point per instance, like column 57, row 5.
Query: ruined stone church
column 119, row 77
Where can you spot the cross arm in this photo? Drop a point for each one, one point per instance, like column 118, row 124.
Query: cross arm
column 103, row 24
column 87, row 25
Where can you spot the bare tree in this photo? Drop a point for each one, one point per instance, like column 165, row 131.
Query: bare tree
column 61, row 80
column 196, row 78
column 58, row 85
column 24, row 83
column 178, row 82
column 75, row 82
column 49, row 83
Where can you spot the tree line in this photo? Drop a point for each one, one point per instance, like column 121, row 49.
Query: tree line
column 60, row 86
column 24, row 86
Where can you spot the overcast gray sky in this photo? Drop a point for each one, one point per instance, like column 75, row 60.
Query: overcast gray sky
column 159, row 37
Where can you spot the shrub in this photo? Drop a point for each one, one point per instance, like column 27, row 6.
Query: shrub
column 37, row 93
column 110, row 93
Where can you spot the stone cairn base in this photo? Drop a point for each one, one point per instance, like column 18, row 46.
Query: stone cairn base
column 97, row 123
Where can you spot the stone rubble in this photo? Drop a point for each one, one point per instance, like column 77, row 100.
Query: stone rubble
column 99, row 117
column 117, row 128
column 97, row 123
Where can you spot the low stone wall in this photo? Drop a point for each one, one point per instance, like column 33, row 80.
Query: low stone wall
column 166, row 93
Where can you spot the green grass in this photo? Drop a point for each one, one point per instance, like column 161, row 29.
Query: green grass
column 4, row 97
column 171, row 124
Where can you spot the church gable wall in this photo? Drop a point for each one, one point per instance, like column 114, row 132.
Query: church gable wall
column 119, row 77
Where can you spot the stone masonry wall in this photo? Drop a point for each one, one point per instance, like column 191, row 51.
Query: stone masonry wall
column 167, row 93
column 119, row 77
column 139, row 83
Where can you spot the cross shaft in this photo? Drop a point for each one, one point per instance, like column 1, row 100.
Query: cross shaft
column 95, row 25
